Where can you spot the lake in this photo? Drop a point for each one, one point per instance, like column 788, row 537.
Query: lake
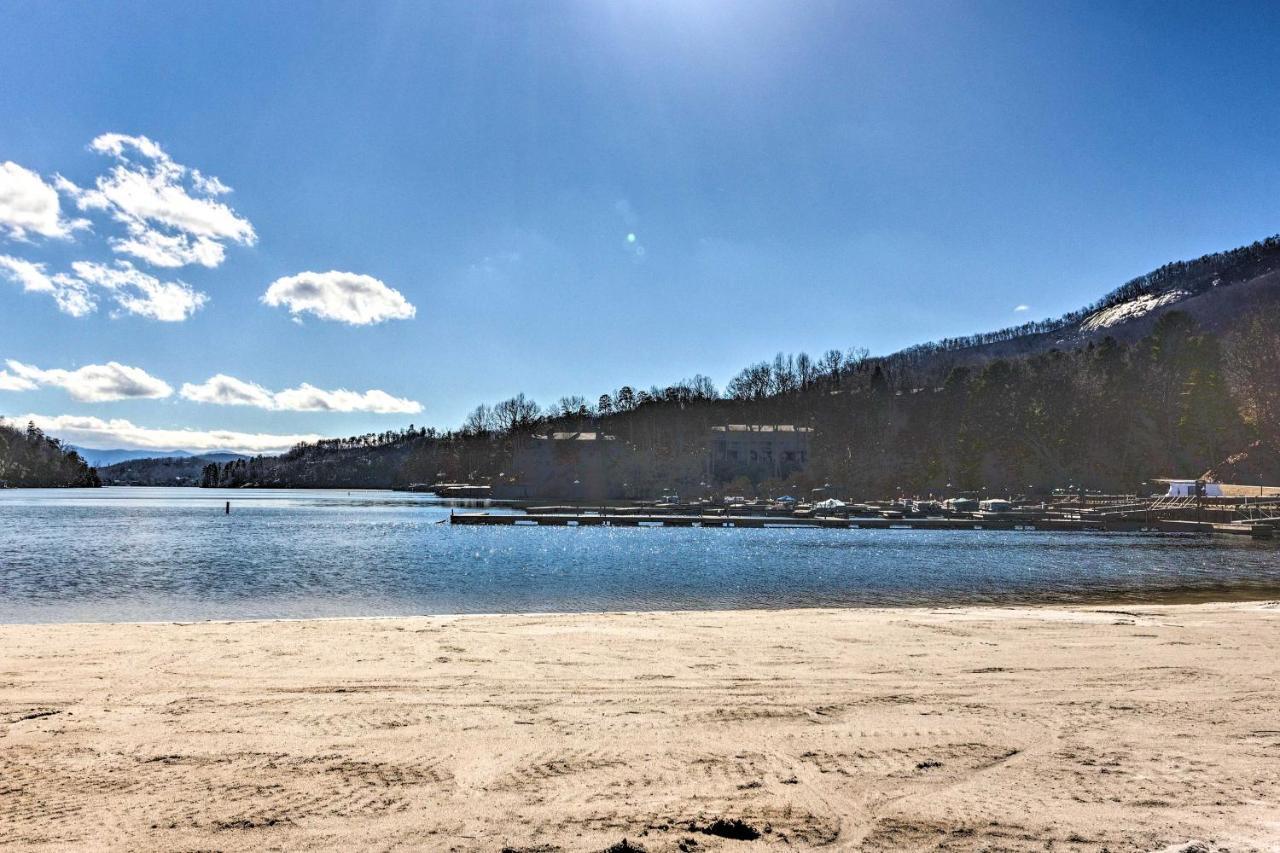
column 143, row 554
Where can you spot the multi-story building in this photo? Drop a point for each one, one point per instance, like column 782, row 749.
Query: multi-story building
column 758, row 450
column 565, row 465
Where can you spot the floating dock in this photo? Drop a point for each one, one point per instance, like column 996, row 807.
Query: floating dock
column 1260, row 531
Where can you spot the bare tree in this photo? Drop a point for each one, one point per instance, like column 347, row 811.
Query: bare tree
column 515, row 414
column 571, row 405
column 804, row 369
column 831, row 363
column 752, row 383
column 703, row 388
column 480, row 421
column 783, row 380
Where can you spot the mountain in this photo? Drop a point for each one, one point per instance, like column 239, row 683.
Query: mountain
column 220, row 457
column 103, row 458
column 184, row 470
column 1215, row 290
column 29, row 458
column 1170, row 374
column 99, row 458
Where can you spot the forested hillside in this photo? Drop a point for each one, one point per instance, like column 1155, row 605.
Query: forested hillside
column 1215, row 289
column 1167, row 376
column 373, row 461
column 161, row 471
column 29, row 458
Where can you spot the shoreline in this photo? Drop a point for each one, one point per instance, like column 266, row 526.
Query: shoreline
column 1129, row 728
column 1176, row 599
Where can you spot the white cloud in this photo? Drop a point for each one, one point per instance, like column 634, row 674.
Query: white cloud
column 10, row 382
column 119, row 433
column 209, row 184
column 226, row 390
column 170, row 212
column 1021, row 308
column 308, row 398
column 30, row 206
column 95, row 383
column 139, row 293
column 223, row 390
column 118, row 145
column 71, row 294
column 170, row 250
column 343, row 296
column 134, row 291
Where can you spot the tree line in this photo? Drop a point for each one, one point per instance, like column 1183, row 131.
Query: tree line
column 31, row 459
column 1107, row 414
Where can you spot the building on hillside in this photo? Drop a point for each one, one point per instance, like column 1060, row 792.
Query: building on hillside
column 563, row 466
column 758, row 451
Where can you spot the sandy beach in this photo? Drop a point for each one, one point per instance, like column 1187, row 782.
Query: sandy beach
column 1089, row 729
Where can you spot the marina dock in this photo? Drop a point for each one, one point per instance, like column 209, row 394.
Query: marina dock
column 1257, row 531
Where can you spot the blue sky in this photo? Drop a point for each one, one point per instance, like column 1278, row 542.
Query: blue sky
column 795, row 175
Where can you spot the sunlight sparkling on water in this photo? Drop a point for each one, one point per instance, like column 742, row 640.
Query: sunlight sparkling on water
column 158, row 554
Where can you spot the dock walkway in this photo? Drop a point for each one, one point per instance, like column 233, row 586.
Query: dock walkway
column 756, row 522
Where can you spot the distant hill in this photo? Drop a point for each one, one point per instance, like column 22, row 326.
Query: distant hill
column 1169, row 374
column 220, row 457
column 102, row 458
column 99, row 458
column 183, row 470
column 1215, row 290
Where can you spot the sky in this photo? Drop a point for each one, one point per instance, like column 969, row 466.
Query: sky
column 235, row 225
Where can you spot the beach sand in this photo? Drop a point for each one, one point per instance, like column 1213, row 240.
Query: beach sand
column 1082, row 729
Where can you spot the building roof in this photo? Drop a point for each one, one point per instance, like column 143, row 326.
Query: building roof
column 761, row 428
column 575, row 436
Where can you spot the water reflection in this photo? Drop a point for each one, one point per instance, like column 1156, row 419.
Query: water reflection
column 143, row 554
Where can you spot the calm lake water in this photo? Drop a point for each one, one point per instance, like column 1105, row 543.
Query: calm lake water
column 158, row 554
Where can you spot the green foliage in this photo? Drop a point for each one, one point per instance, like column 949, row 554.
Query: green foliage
column 30, row 459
